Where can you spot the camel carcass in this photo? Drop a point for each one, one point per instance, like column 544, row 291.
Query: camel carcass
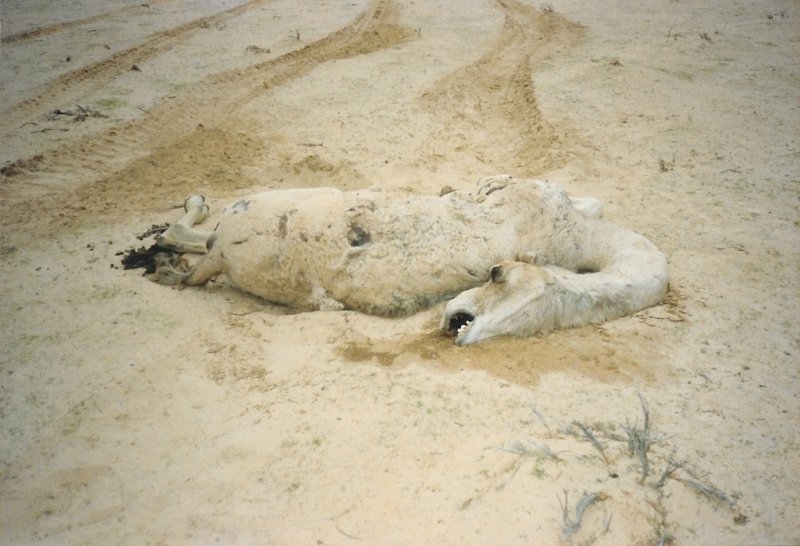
column 393, row 253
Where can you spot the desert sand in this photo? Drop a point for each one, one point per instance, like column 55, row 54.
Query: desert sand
column 132, row 413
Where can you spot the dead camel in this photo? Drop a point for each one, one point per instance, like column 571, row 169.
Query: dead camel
column 390, row 253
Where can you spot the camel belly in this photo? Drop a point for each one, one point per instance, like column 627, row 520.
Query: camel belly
column 372, row 251
column 267, row 251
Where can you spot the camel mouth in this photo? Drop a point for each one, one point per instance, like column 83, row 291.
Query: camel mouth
column 459, row 323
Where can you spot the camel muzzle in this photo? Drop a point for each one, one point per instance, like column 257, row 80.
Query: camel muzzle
column 458, row 323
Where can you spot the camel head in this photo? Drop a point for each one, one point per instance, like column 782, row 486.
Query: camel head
column 513, row 302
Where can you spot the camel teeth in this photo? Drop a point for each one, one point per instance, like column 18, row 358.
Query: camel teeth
column 464, row 327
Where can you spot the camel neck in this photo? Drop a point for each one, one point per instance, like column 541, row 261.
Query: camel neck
column 596, row 297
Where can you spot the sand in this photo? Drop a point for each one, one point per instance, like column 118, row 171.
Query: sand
column 132, row 413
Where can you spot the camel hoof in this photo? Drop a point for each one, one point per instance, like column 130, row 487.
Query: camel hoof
column 194, row 201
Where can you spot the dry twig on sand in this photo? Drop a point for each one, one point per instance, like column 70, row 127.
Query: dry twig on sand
column 672, row 466
column 569, row 525
column 710, row 491
column 587, row 432
column 540, row 451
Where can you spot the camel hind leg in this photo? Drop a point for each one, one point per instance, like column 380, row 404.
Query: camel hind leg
column 172, row 269
column 181, row 237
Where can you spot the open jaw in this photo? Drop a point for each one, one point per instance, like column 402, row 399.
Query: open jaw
column 459, row 324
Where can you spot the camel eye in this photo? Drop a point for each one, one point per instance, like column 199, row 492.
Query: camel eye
column 496, row 272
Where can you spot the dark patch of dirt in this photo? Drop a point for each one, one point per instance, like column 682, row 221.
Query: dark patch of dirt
column 588, row 351
column 142, row 257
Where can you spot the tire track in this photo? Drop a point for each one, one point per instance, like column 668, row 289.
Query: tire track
column 217, row 94
column 70, row 87
column 67, row 25
column 498, row 91
column 78, row 175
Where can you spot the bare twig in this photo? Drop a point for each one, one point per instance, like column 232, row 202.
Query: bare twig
column 710, row 491
column 694, row 472
column 79, row 114
column 672, row 466
column 154, row 230
column 540, row 451
column 540, row 416
column 606, row 525
column 571, row 526
column 591, row 437
column 639, row 439
column 348, row 535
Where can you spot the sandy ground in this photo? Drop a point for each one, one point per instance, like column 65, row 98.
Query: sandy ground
column 131, row 413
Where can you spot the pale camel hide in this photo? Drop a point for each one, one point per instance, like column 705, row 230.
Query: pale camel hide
column 389, row 253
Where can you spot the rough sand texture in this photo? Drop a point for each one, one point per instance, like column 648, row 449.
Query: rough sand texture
column 131, row 413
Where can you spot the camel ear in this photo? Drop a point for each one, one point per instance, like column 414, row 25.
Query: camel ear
column 497, row 273
column 532, row 257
